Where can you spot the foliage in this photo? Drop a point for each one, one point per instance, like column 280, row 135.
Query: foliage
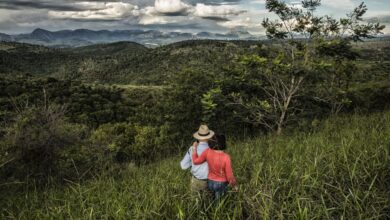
column 209, row 104
column 339, row 170
column 310, row 45
column 120, row 124
column 295, row 22
column 92, row 105
column 125, row 63
column 123, row 143
column 183, row 103
column 39, row 141
column 85, row 108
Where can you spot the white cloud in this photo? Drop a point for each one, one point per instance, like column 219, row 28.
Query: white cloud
column 258, row 1
column 244, row 23
column 5, row 15
column 170, row 6
column 98, row 11
column 148, row 20
column 377, row 13
column 296, row 5
column 340, row 4
column 162, row 9
column 202, row 10
column 148, row 11
column 162, row 12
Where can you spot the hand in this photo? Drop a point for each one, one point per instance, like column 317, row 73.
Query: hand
column 235, row 188
column 194, row 146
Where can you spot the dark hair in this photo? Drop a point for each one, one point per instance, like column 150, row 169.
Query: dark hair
column 218, row 142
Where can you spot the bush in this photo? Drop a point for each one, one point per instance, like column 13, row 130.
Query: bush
column 371, row 97
column 124, row 142
column 112, row 139
column 38, row 144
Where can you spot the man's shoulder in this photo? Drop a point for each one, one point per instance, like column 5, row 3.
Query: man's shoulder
column 203, row 147
column 189, row 151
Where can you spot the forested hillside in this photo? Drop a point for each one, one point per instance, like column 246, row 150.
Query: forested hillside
column 121, row 63
column 224, row 84
column 131, row 63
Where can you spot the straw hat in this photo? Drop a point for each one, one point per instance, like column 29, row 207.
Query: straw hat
column 203, row 133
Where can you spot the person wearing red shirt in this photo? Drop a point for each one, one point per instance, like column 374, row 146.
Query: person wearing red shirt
column 220, row 167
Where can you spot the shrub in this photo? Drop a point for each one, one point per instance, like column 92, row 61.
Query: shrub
column 112, row 140
column 37, row 144
column 371, row 97
column 124, row 142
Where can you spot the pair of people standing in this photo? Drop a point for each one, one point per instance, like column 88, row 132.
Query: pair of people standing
column 210, row 167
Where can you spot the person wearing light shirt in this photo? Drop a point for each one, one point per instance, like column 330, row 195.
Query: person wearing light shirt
column 220, row 165
column 199, row 172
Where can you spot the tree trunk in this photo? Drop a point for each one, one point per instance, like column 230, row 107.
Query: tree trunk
column 279, row 130
column 281, row 122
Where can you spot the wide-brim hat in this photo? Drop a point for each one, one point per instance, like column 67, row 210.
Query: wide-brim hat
column 203, row 133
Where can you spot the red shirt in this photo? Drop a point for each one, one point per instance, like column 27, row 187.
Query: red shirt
column 220, row 167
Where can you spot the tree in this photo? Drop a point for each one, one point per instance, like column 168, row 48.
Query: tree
column 277, row 88
column 182, row 103
column 209, row 104
column 39, row 143
column 302, row 34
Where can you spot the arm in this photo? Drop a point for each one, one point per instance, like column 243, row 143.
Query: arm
column 186, row 162
column 202, row 158
column 229, row 172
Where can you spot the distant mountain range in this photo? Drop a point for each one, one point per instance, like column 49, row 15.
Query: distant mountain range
column 84, row 37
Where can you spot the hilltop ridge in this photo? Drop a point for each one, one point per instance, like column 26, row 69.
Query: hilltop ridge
column 84, row 37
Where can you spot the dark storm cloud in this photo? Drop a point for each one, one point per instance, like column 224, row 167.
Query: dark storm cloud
column 20, row 5
column 61, row 5
column 179, row 13
column 92, row 20
column 172, row 26
column 216, row 18
column 141, row 3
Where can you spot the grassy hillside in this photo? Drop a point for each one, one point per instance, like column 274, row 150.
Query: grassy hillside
column 339, row 170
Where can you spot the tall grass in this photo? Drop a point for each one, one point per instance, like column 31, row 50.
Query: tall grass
column 339, row 171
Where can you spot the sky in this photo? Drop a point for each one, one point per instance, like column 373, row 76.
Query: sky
column 193, row 16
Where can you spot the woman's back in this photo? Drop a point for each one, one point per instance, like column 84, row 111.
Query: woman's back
column 220, row 168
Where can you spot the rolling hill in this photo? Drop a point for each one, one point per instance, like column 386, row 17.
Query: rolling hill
column 133, row 63
column 121, row 62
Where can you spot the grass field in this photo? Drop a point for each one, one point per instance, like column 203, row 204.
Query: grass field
column 340, row 170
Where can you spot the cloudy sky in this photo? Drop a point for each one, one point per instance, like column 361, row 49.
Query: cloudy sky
column 22, row 16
